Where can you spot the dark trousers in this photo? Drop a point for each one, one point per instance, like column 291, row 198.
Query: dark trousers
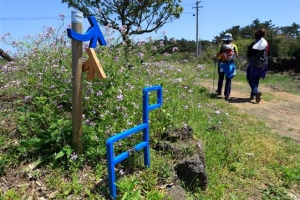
column 227, row 88
column 253, row 83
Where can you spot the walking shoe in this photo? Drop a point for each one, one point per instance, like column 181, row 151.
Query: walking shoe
column 218, row 92
column 226, row 97
column 257, row 97
column 251, row 97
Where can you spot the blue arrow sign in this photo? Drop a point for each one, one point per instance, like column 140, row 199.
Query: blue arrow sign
column 93, row 34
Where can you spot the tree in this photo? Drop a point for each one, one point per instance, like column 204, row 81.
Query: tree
column 292, row 31
column 130, row 17
column 5, row 55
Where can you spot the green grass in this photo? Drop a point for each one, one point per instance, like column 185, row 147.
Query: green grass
column 244, row 159
column 283, row 82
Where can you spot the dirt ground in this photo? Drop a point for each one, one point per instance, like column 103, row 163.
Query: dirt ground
column 280, row 110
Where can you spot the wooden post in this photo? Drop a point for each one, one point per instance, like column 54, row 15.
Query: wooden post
column 77, row 18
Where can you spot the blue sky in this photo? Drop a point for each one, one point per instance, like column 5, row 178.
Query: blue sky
column 21, row 18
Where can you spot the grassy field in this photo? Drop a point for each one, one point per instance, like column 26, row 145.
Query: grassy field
column 244, row 160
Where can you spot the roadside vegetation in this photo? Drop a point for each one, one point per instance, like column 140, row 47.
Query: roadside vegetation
column 244, row 159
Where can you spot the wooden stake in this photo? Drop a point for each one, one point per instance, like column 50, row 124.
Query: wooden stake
column 77, row 18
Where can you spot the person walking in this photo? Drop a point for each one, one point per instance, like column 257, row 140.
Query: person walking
column 258, row 54
column 226, row 67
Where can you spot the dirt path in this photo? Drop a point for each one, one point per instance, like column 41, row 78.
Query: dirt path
column 281, row 110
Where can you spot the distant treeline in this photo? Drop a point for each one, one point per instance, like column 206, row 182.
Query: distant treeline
column 284, row 41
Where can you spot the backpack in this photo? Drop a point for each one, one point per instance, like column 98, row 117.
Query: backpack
column 227, row 53
column 260, row 58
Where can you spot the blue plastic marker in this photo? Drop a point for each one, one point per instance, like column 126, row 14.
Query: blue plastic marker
column 113, row 160
column 93, row 34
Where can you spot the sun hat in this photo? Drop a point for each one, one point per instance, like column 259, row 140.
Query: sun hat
column 227, row 36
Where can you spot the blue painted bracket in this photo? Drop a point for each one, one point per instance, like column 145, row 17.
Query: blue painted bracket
column 93, row 34
column 113, row 160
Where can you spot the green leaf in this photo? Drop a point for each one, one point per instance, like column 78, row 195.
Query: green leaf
column 125, row 196
column 38, row 162
column 67, row 150
column 67, row 192
column 59, row 155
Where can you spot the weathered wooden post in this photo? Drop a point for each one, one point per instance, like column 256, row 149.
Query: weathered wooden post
column 77, row 18
column 92, row 66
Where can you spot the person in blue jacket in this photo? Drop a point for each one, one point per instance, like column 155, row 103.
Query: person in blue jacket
column 226, row 66
column 258, row 53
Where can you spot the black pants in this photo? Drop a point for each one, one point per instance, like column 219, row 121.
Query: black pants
column 227, row 84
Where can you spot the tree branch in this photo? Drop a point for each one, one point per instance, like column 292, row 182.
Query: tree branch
column 5, row 56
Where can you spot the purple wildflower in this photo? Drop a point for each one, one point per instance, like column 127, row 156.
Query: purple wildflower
column 73, row 156
column 120, row 97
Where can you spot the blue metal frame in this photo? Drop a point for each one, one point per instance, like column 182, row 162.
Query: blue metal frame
column 113, row 160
